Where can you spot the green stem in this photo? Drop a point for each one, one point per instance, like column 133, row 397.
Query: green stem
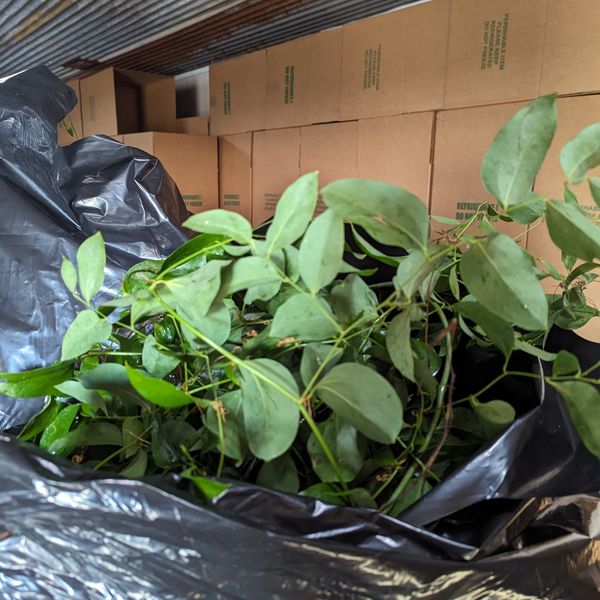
column 241, row 364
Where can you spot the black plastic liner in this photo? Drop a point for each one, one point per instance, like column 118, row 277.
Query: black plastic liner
column 520, row 520
column 51, row 199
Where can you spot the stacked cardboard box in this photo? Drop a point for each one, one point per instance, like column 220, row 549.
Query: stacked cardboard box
column 414, row 97
column 138, row 109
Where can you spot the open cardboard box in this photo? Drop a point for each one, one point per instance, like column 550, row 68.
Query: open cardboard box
column 118, row 101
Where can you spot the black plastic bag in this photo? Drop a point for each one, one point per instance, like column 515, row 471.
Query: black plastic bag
column 519, row 520
column 52, row 198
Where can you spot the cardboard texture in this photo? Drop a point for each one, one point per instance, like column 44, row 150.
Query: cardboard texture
column 571, row 57
column 462, row 138
column 304, row 80
column 332, row 150
column 73, row 120
column 495, row 51
column 117, row 101
column 573, row 115
column 238, row 94
column 397, row 150
column 192, row 125
column 235, row 174
column 275, row 165
column 191, row 160
column 395, row 63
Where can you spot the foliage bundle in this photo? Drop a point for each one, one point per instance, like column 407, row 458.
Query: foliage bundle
column 271, row 359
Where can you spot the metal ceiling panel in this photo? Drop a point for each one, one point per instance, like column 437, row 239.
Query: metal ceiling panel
column 163, row 36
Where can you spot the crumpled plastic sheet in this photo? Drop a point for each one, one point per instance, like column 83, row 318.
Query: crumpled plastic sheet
column 52, row 198
column 520, row 520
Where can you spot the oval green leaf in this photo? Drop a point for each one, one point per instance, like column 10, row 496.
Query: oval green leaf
column 223, row 222
column 363, row 398
column 91, row 260
column 572, row 230
column 515, row 156
column 500, row 276
column 581, row 154
column 306, row 318
column 85, row 332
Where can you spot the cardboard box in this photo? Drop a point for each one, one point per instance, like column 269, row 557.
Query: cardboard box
column 495, row 51
column 117, row 101
column 332, row 150
column 395, row 63
column 573, row 115
column 191, row 160
column 235, row 173
column 192, row 125
column 462, row 138
column 304, row 80
column 571, row 57
column 238, row 94
column 73, row 120
column 397, row 150
column 275, row 165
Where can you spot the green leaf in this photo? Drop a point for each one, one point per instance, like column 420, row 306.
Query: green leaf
column 234, row 443
column 499, row 332
column 445, row 220
column 196, row 291
column 313, row 356
column 397, row 342
column 372, row 252
column 342, row 440
column 280, row 474
column 321, row 251
column 498, row 273
column 210, row 488
column 222, row 222
column 271, row 414
column 583, row 403
column 137, row 465
column 528, row 348
column 68, row 274
column 293, row 213
column 495, row 416
column 363, row 398
column 157, row 362
column 248, row 272
column 515, row 156
column 74, row 389
column 453, row 283
column 262, row 292
column 59, row 427
column 201, row 246
column 415, row 491
column 594, row 183
column 215, row 325
column 91, row 260
column 93, row 434
column 133, row 435
column 572, row 230
column 390, row 214
column 236, row 251
column 85, row 332
column 160, row 392
column 581, row 154
column 412, row 271
column 39, row 422
column 529, row 210
column 565, row 363
column 352, row 299
column 145, row 306
column 36, row 382
column 305, row 318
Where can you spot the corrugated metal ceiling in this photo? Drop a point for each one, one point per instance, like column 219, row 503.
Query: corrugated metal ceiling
column 164, row 36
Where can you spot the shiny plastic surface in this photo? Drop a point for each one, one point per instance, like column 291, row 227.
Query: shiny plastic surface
column 524, row 524
column 52, row 198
